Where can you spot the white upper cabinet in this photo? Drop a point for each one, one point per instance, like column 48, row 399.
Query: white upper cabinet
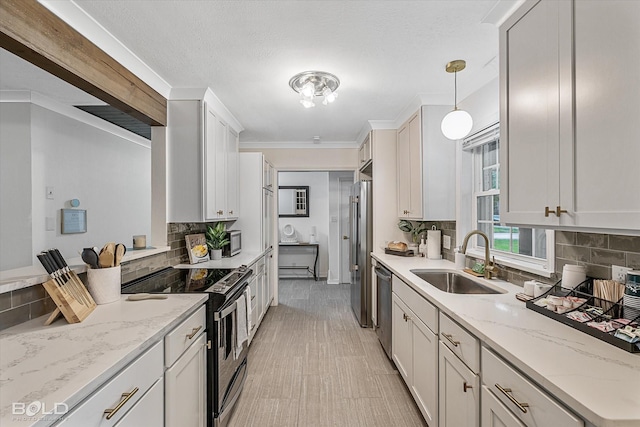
column 426, row 167
column 569, row 111
column 202, row 164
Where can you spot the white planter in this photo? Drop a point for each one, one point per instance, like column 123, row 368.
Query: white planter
column 215, row 254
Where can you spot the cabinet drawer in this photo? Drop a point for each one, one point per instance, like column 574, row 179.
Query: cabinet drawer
column 460, row 342
column 134, row 380
column 526, row 400
column 146, row 412
column 186, row 333
column 425, row 311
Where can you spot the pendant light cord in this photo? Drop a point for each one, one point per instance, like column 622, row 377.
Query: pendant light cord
column 455, row 89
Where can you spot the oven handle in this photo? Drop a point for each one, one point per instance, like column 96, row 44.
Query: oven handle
column 224, row 313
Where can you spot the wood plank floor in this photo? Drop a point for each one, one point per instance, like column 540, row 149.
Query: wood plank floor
column 312, row 365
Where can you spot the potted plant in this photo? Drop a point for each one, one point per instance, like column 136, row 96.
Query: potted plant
column 415, row 230
column 216, row 239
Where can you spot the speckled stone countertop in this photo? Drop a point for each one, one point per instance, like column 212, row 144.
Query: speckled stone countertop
column 65, row 363
column 599, row 382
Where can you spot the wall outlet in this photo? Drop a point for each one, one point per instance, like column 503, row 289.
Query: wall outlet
column 619, row 274
column 50, row 193
column 446, row 242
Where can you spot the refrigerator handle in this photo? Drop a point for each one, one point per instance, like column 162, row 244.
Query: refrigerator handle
column 353, row 238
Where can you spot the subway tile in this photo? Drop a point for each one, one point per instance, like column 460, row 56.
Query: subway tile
column 606, row 257
column 624, row 243
column 598, row 271
column 5, row 301
column 566, row 237
column 559, row 250
column 592, row 240
column 633, row 260
column 14, row 316
column 27, row 295
column 576, row 253
column 41, row 307
column 561, row 262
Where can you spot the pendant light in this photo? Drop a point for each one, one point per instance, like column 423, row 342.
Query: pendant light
column 457, row 123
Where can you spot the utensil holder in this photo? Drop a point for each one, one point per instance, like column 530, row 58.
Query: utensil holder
column 104, row 284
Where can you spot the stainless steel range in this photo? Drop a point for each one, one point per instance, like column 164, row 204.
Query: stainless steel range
column 226, row 362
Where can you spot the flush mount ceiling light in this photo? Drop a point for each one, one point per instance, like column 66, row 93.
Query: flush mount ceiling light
column 458, row 123
column 310, row 84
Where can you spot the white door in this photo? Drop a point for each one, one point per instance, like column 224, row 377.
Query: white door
column 459, row 395
column 425, row 371
column 494, row 413
column 401, row 338
column 345, row 242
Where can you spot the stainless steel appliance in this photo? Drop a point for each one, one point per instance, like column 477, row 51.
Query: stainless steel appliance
column 361, row 246
column 383, row 286
column 234, row 247
column 226, row 368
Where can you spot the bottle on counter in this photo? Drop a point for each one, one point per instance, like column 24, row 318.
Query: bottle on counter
column 422, row 249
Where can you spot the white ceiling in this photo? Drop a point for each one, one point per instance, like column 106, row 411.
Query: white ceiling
column 384, row 52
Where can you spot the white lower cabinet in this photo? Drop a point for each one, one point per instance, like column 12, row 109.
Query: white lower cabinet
column 525, row 400
column 145, row 412
column 186, row 387
column 415, row 352
column 122, row 393
column 459, row 392
column 494, row 413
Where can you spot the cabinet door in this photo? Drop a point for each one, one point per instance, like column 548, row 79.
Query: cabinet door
column 404, row 173
column 146, row 412
column 415, row 167
column 232, row 177
column 606, row 190
column 529, row 117
column 425, row 371
column 374, row 294
column 401, row 338
column 459, row 392
column 186, row 388
column 211, row 155
column 220, row 169
column 494, row 414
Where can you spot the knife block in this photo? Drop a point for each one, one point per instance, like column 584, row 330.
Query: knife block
column 72, row 299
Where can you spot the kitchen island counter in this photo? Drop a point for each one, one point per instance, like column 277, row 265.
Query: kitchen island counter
column 65, row 363
column 598, row 381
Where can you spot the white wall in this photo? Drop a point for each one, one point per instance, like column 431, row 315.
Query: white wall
column 15, row 186
column 484, row 107
column 108, row 173
column 317, row 159
column 318, row 183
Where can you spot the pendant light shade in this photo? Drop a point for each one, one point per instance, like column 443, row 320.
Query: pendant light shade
column 458, row 123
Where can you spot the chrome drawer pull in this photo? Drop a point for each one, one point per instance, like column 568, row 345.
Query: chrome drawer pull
column 193, row 333
column 506, row 391
column 449, row 338
column 125, row 398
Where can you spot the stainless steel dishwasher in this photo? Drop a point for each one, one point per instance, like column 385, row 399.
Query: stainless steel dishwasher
column 384, row 308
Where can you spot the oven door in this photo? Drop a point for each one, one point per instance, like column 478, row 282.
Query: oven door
column 229, row 360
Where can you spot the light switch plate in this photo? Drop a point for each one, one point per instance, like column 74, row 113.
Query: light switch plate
column 446, row 242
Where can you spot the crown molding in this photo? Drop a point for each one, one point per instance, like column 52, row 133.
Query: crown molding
column 299, row 144
column 208, row 96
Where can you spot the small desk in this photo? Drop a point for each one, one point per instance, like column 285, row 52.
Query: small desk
column 315, row 246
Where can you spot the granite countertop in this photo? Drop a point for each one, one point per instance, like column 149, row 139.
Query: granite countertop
column 65, row 363
column 243, row 258
column 598, row 381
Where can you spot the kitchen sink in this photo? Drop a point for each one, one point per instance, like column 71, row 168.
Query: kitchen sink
column 454, row 283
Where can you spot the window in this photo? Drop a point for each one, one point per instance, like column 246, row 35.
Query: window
column 519, row 247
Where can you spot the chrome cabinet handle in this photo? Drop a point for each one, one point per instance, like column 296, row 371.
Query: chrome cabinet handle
column 466, row 386
column 125, row 398
column 220, row 212
column 507, row 392
column 449, row 338
column 230, row 212
column 193, row 333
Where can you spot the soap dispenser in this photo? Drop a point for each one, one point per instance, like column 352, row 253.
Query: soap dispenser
column 422, row 249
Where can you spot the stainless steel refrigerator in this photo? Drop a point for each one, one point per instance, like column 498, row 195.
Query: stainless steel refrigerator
column 360, row 217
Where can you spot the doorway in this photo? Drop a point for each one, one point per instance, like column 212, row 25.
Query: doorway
column 344, row 224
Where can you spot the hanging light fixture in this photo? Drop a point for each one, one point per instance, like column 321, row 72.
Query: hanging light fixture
column 310, row 84
column 457, row 123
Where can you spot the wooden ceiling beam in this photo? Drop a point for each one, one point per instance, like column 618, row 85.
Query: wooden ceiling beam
column 34, row 33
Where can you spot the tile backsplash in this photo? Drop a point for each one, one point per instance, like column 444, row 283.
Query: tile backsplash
column 598, row 252
column 28, row 303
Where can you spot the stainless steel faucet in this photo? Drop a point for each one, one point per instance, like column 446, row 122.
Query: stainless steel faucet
column 488, row 265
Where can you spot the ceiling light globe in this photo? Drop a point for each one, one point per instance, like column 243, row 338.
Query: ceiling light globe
column 456, row 124
column 308, row 90
column 306, row 103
